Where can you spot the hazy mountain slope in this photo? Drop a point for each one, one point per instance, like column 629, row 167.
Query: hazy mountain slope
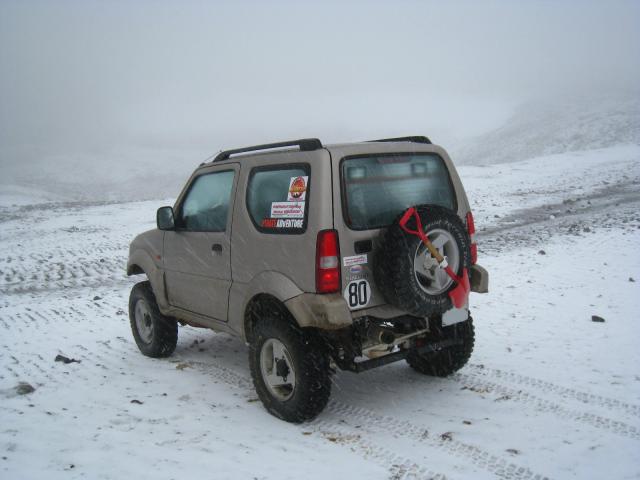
column 136, row 173
column 551, row 127
column 119, row 174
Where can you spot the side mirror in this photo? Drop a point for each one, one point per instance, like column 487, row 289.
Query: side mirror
column 164, row 218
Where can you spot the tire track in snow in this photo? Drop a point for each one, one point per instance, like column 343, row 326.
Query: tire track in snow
column 34, row 322
column 33, row 368
column 480, row 379
column 93, row 363
column 482, row 372
column 83, row 277
column 476, row 383
column 499, row 467
column 545, row 223
column 52, row 256
column 594, row 203
column 62, row 268
column 543, row 405
column 401, row 467
column 106, row 356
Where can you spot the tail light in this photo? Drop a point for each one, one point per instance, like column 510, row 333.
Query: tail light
column 327, row 262
column 471, row 228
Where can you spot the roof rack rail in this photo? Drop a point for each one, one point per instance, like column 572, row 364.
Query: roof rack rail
column 414, row 139
column 305, row 145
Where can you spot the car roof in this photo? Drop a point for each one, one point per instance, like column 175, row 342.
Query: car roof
column 401, row 144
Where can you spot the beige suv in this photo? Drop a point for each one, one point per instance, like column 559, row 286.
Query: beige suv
column 298, row 248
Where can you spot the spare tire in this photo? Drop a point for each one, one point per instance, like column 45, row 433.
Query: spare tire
column 405, row 272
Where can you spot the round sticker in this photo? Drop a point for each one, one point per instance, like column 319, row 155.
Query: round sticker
column 357, row 294
column 298, row 187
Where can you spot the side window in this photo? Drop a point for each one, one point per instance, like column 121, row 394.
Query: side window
column 277, row 198
column 206, row 205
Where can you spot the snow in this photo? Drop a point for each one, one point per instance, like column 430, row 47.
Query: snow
column 555, row 126
column 547, row 393
column 16, row 195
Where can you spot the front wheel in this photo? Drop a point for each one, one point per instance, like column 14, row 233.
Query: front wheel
column 290, row 370
column 155, row 334
column 449, row 360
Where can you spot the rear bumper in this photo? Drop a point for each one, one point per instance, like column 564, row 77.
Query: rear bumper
column 327, row 312
column 479, row 279
column 330, row 311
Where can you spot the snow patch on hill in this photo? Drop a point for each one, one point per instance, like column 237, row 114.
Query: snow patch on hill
column 550, row 127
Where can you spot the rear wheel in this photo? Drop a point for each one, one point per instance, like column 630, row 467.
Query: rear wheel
column 155, row 334
column 290, row 370
column 451, row 359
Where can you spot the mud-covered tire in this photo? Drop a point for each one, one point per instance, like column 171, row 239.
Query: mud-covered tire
column 449, row 360
column 155, row 334
column 310, row 362
column 394, row 271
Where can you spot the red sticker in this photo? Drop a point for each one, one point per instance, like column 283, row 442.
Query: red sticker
column 282, row 223
column 269, row 222
column 297, row 188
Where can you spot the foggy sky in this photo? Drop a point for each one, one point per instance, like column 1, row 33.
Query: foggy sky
column 84, row 77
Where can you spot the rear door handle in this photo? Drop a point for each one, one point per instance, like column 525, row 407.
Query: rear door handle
column 216, row 248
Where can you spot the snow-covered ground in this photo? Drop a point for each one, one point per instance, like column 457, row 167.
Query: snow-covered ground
column 548, row 392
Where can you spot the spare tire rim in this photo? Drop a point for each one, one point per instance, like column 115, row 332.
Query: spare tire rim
column 277, row 369
column 432, row 279
column 144, row 322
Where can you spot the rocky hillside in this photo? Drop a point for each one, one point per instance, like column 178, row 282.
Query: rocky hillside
column 544, row 128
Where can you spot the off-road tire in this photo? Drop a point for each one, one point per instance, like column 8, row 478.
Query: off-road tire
column 449, row 360
column 394, row 269
column 164, row 336
column 311, row 365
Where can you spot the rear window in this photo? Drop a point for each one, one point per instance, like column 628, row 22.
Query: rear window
column 377, row 188
column 277, row 198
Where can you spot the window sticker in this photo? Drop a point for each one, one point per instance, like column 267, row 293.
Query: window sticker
column 289, row 223
column 355, row 260
column 282, row 223
column 287, row 209
column 297, row 189
column 356, row 270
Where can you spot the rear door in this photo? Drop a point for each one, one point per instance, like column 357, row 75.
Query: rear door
column 198, row 253
column 373, row 189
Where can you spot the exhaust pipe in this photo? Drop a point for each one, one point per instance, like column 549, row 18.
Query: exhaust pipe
column 386, row 341
column 387, row 337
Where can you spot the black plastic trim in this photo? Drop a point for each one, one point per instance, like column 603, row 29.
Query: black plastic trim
column 363, row 246
column 412, row 138
column 304, row 144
